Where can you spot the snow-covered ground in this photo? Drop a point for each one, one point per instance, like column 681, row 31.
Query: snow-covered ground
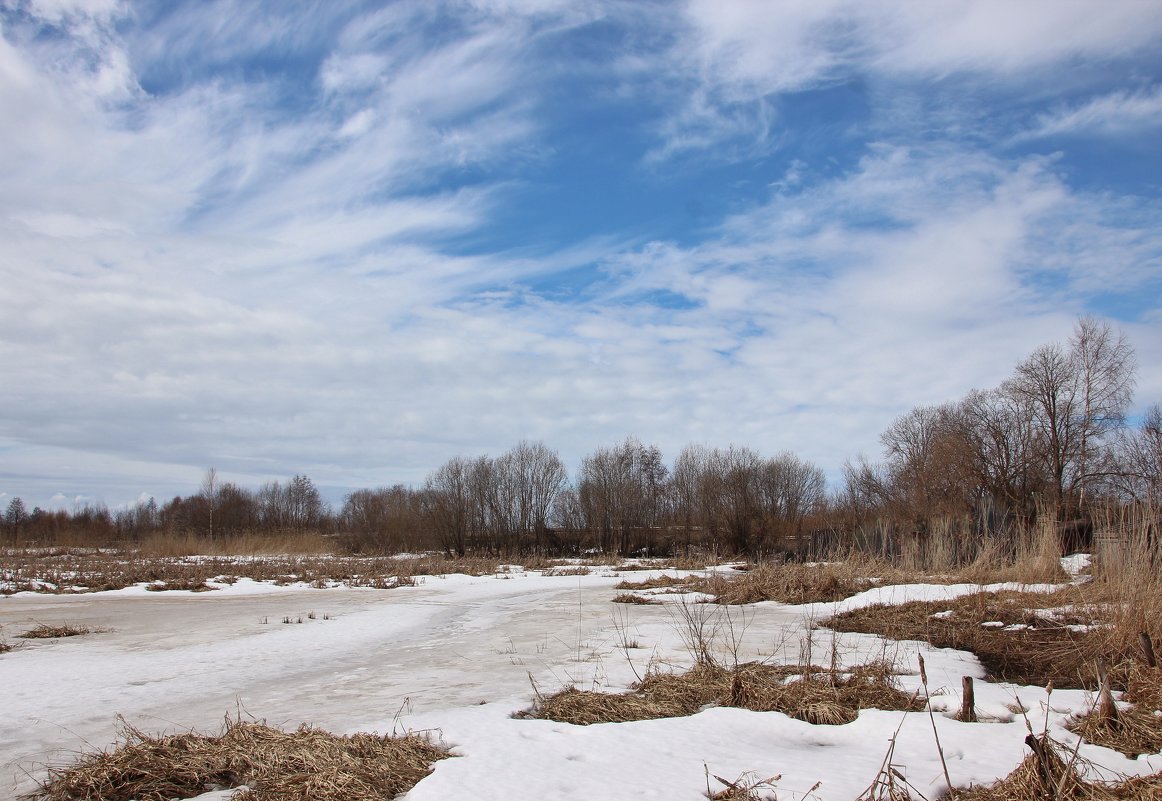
column 456, row 656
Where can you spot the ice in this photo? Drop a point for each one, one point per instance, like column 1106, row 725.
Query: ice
column 455, row 656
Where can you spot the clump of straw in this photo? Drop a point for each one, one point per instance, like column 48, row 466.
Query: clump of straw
column 272, row 765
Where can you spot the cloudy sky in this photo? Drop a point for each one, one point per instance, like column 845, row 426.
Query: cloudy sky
column 355, row 239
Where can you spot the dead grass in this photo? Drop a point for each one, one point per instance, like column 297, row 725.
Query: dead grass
column 251, row 544
column 813, row 694
column 664, row 581
column 630, row 598
column 274, row 765
column 1054, row 772
column 46, row 632
column 1038, row 649
column 88, row 570
column 1137, row 730
column 787, row 583
column 748, row 787
column 566, row 570
column 190, row 584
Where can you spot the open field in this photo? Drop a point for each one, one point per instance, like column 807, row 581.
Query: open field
column 474, row 661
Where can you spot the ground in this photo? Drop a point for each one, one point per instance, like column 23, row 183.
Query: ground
column 456, row 656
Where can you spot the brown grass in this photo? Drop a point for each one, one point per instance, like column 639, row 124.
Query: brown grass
column 273, row 764
column 1055, row 772
column 813, row 694
column 664, row 581
column 46, row 632
column 288, row 543
column 566, row 570
column 1137, row 730
column 1045, row 651
column 87, row 570
column 748, row 787
column 787, row 583
column 630, row 598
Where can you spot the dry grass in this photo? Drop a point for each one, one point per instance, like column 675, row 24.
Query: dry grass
column 748, row 787
column 1137, row 730
column 566, row 570
column 1045, row 649
column 813, row 694
column 272, row 764
column 630, row 598
column 88, row 570
column 1054, row 772
column 664, row 581
column 46, row 632
column 175, row 545
column 787, row 583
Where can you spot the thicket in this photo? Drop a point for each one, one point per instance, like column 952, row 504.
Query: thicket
column 983, row 475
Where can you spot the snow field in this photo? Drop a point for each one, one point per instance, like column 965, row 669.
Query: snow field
column 457, row 655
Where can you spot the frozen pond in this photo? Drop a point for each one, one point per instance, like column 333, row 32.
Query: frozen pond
column 457, row 656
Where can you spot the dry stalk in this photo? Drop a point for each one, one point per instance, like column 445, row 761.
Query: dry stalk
column 271, row 764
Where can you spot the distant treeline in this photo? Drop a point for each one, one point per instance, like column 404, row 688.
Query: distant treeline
column 1052, row 439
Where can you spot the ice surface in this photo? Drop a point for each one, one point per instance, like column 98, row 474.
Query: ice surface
column 457, row 655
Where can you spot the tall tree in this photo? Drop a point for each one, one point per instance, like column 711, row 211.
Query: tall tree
column 1105, row 367
column 210, row 493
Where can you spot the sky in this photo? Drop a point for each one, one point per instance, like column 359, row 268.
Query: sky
column 353, row 240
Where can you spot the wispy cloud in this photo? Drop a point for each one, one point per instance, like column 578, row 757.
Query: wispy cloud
column 1116, row 114
column 307, row 237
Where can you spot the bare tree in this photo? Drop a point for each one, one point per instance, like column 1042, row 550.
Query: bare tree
column 1105, row 367
column 1140, row 459
column 790, row 489
column 622, row 492
column 1006, row 458
column 15, row 516
column 528, row 479
column 1046, row 381
column 688, row 494
column 210, row 493
column 450, row 500
column 1078, row 398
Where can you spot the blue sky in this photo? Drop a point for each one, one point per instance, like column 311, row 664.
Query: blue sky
column 353, row 240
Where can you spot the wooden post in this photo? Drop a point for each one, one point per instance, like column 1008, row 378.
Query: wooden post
column 968, row 701
column 1147, row 649
column 1107, row 710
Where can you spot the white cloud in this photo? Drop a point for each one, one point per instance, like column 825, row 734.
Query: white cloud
column 1114, row 114
column 730, row 59
column 199, row 276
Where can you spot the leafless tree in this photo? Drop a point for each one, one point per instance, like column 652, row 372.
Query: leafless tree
column 450, row 503
column 386, row 519
column 1140, row 460
column 622, row 492
column 1078, row 398
column 210, row 493
column 1105, row 367
column 1005, row 450
column 1047, row 383
column 527, row 481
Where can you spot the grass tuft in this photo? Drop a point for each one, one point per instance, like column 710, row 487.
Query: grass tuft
column 46, row 632
column 270, row 763
column 1137, row 730
column 1053, row 771
column 1042, row 637
column 812, row 694
column 630, row 598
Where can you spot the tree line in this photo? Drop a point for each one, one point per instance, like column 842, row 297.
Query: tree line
column 1052, row 439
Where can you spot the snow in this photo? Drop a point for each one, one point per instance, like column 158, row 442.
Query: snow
column 455, row 656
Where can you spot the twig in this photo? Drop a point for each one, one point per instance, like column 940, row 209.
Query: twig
column 935, row 733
